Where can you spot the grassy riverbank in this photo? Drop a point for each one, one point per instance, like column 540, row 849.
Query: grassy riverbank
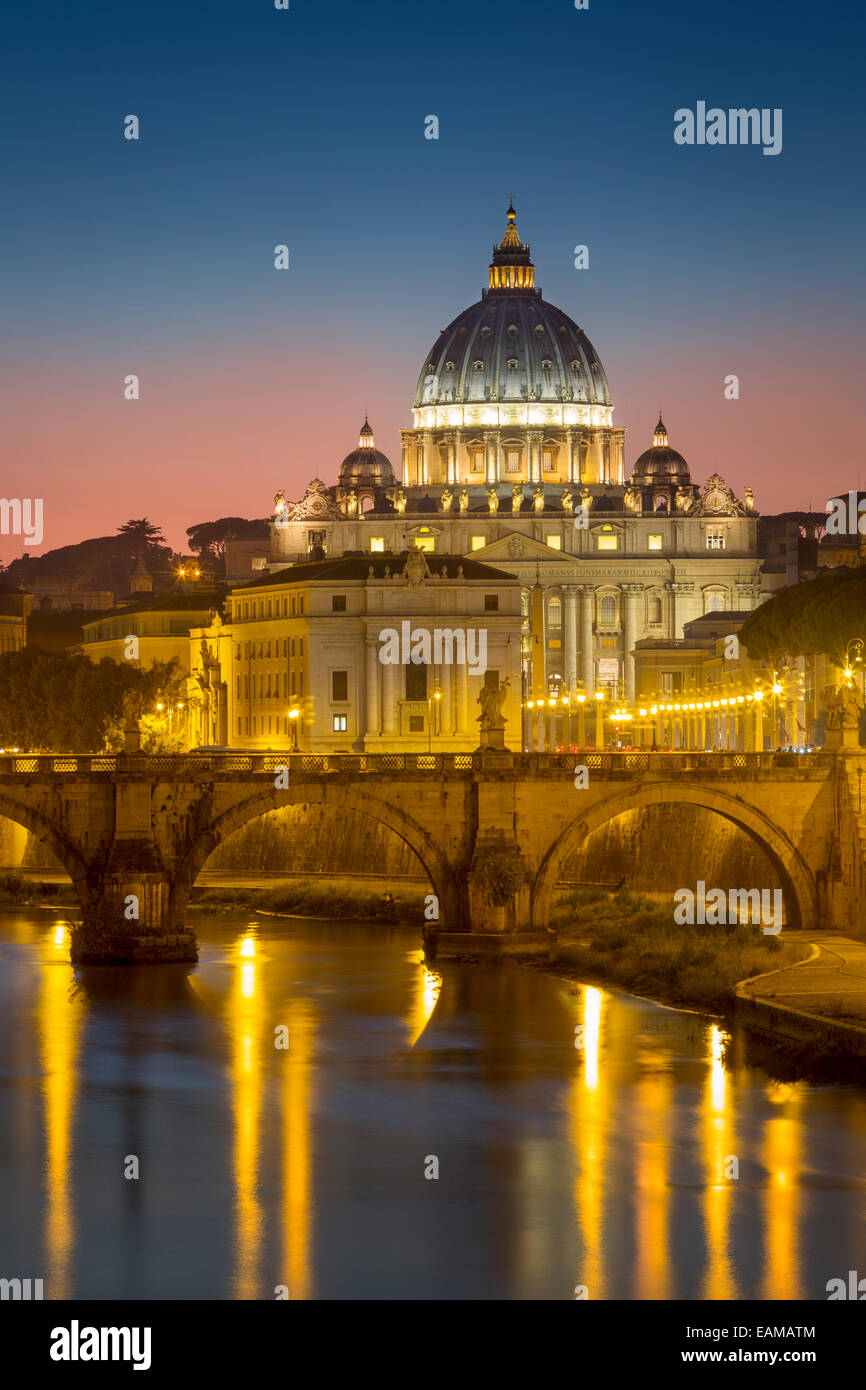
column 630, row 940
column 17, row 890
column 318, row 898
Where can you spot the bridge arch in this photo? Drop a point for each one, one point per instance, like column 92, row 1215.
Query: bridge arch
column 66, row 854
column 798, row 884
column 346, row 798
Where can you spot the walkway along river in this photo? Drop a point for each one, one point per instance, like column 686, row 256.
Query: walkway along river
column 583, row 1138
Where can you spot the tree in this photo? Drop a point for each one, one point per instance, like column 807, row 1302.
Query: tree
column 821, row 615
column 143, row 535
column 51, row 702
column 208, row 538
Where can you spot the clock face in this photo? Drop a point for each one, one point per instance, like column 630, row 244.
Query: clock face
column 715, row 500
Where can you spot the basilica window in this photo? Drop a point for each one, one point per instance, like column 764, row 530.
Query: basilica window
column 338, row 603
column 294, row 601
column 416, row 682
column 654, row 543
column 339, row 685
column 554, row 613
column 714, row 603
column 715, row 538
column 607, row 611
column 377, row 545
column 608, row 541
column 512, row 460
column 555, row 542
column 654, row 610
column 478, row 542
column 547, row 460
column 478, row 366
column 477, row 460
column 660, row 504
column 340, row 723
column 512, row 364
column 491, row 603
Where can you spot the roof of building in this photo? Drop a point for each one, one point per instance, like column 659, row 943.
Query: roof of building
column 364, row 566
column 366, row 466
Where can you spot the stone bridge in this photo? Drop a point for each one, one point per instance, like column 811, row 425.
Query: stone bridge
column 133, row 831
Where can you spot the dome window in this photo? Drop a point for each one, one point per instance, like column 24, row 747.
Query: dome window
column 449, row 366
column 575, row 366
column 546, row 364
column 512, row 330
column 478, row 366
column 512, row 364
column 539, row 330
column 485, row 330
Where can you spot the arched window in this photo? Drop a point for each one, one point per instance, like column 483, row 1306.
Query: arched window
column 660, row 504
column 714, row 603
column 554, row 613
column 654, row 612
column 607, row 611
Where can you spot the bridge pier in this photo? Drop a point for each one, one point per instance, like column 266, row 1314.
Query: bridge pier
column 497, row 908
column 129, row 916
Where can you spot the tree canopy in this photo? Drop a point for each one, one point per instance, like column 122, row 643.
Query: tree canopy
column 53, row 702
column 821, row 615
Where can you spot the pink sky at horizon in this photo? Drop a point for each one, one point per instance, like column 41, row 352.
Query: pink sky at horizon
column 218, row 433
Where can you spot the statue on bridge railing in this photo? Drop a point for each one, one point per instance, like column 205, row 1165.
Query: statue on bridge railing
column 131, row 706
column 843, row 708
column 491, row 698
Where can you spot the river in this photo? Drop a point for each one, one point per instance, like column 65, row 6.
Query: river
column 607, row 1166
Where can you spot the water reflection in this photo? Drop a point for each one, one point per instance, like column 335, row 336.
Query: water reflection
column 586, row 1138
column 59, row 1017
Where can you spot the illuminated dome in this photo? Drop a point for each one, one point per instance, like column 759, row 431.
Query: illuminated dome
column 661, row 463
column 512, row 346
column 366, row 466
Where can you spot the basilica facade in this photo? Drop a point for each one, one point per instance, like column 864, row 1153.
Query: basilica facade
column 512, row 459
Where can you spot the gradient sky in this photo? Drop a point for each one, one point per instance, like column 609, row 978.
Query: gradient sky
column 306, row 126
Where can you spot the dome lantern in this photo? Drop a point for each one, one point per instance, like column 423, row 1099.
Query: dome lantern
column 511, row 269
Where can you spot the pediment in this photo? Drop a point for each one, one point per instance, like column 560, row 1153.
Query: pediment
column 516, row 546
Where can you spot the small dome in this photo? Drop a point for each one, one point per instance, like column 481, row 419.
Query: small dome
column 661, row 463
column 366, row 466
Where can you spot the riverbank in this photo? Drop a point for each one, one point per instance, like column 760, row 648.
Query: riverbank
column 631, row 940
column 377, row 901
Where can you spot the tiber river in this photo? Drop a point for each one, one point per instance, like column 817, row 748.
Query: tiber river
column 260, row 1167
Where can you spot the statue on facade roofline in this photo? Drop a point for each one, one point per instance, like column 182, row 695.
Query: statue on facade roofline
column 516, row 498
column 463, row 500
column 492, row 500
column 446, row 499
column 567, row 501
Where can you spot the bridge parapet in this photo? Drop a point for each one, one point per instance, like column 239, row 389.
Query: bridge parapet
column 191, row 766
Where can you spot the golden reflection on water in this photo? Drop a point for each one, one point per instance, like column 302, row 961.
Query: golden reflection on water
column 589, row 1125
column 719, row 1150
column 783, row 1142
column 253, row 1021
column 59, row 1018
column 427, row 987
column 655, row 1109
column 245, row 1010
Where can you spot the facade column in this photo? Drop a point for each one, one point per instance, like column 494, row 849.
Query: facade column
column 450, row 457
column 489, row 457
column 535, row 456
column 679, row 592
column 446, row 719
column 372, row 693
column 389, row 698
column 606, row 454
column 587, row 665
column 569, row 447
column 427, row 458
column 569, row 668
column 631, row 592
column 462, row 683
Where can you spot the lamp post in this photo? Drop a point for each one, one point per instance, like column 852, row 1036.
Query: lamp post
column 599, row 719
column 437, row 695
column 294, row 715
column 581, row 716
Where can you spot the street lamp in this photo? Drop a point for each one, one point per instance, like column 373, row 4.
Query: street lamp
column 581, row 716
column 599, row 716
column 437, row 695
column 294, row 715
